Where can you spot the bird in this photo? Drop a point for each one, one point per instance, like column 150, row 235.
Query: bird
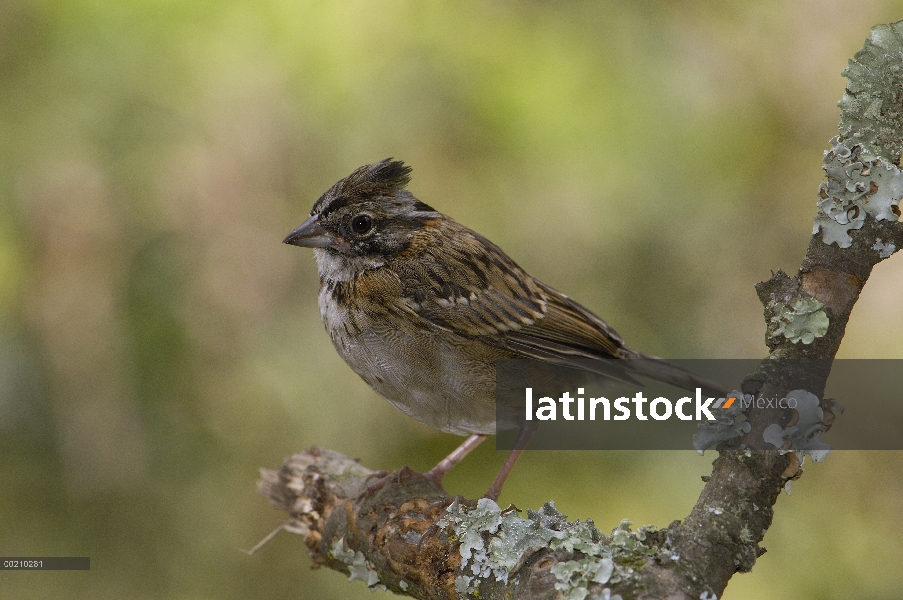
column 422, row 307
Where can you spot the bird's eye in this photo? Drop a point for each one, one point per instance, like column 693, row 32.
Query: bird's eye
column 361, row 224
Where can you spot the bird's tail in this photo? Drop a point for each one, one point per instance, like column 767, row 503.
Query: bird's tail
column 660, row 369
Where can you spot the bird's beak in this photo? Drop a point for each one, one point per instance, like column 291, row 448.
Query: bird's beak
column 310, row 234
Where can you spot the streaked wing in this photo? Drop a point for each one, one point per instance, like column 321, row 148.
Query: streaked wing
column 469, row 286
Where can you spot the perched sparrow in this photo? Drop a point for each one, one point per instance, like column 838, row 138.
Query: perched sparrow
column 421, row 307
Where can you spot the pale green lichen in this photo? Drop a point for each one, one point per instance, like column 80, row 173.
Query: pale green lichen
column 802, row 437
column 746, row 536
column 358, row 566
column 629, row 552
column 462, row 585
column 493, row 543
column 575, row 576
column 625, row 539
column 858, row 183
column 872, row 105
column 582, row 537
column 884, row 250
column 803, row 320
column 729, row 423
column 805, row 435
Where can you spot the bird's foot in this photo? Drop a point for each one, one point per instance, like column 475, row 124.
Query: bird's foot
column 397, row 477
column 382, row 478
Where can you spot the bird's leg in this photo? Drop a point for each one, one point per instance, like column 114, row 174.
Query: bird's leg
column 435, row 474
column 523, row 437
column 445, row 465
column 384, row 478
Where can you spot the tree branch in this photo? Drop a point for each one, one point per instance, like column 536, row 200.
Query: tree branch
column 401, row 538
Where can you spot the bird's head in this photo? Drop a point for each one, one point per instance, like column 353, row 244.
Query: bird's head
column 365, row 218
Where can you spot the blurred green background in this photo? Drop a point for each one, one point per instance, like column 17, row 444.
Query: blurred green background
column 158, row 343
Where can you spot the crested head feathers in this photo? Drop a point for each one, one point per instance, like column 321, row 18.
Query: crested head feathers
column 379, row 180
